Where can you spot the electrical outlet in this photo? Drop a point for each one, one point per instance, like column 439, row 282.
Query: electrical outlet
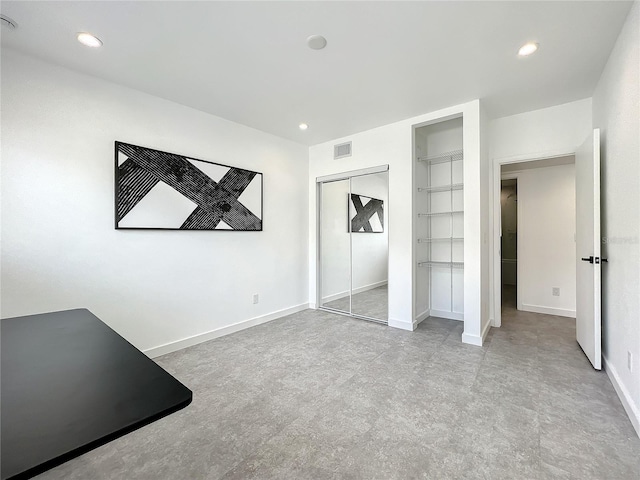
column 555, row 291
column 630, row 361
column 256, row 299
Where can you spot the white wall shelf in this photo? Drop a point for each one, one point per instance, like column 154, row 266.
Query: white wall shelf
column 441, row 239
column 435, row 214
column 441, row 188
column 453, row 156
column 441, row 264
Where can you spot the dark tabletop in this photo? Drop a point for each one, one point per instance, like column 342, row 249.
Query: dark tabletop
column 70, row 384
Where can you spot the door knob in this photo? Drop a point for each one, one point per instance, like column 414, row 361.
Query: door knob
column 589, row 259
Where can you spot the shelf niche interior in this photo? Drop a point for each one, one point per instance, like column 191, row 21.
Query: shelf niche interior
column 439, row 186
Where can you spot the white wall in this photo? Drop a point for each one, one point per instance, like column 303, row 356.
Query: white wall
column 616, row 112
column 392, row 145
column 59, row 247
column 540, row 133
column 546, row 240
column 550, row 132
column 486, row 242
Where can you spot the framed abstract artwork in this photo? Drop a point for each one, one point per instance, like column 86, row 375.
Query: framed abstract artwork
column 166, row 191
column 367, row 214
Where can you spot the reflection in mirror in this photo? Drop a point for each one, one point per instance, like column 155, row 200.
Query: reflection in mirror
column 369, row 245
column 335, row 246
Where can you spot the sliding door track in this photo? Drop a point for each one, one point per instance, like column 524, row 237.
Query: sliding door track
column 354, row 315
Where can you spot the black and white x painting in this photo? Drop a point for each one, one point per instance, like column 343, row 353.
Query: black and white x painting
column 161, row 190
column 366, row 214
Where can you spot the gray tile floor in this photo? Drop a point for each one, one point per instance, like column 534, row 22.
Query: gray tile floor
column 321, row 396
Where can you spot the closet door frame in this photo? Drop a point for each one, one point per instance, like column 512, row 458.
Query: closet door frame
column 333, row 178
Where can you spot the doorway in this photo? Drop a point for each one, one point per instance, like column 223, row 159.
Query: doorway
column 537, row 228
column 580, row 232
column 354, row 244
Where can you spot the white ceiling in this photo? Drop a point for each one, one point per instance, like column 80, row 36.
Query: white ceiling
column 385, row 61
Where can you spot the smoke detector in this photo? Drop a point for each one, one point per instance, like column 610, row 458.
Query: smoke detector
column 316, row 42
column 8, row 23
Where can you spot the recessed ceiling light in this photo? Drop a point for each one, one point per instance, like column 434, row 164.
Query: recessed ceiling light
column 303, row 126
column 527, row 49
column 89, row 40
column 316, row 42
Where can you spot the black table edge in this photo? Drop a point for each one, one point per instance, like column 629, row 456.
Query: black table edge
column 48, row 465
column 76, row 452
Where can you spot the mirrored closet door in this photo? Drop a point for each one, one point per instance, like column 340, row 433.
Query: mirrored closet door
column 335, row 246
column 354, row 245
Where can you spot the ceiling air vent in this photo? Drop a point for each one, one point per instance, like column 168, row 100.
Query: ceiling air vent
column 342, row 150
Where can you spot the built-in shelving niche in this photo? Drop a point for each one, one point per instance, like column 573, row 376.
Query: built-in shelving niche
column 439, row 222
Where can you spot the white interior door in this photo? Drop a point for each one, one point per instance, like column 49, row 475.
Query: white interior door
column 588, row 271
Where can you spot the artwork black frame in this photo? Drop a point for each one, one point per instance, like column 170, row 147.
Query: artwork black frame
column 145, row 167
column 364, row 213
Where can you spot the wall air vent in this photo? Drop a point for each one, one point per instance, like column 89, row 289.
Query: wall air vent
column 342, row 150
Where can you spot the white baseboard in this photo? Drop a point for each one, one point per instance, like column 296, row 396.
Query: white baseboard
column 423, row 316
column 448, row 315
column 472, row 339
column 485, row 330
column 370, row 287
column 560, row 312
column 338, row 296
column 625, row 397
column 410, row 326
column 335, row 296
column 222, row 331
column 477, row 340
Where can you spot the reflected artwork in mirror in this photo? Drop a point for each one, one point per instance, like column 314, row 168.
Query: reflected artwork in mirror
column 367, row 215
column 369, row 253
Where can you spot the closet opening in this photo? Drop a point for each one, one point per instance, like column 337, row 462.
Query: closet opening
column 439, row 220
column 353, row 244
